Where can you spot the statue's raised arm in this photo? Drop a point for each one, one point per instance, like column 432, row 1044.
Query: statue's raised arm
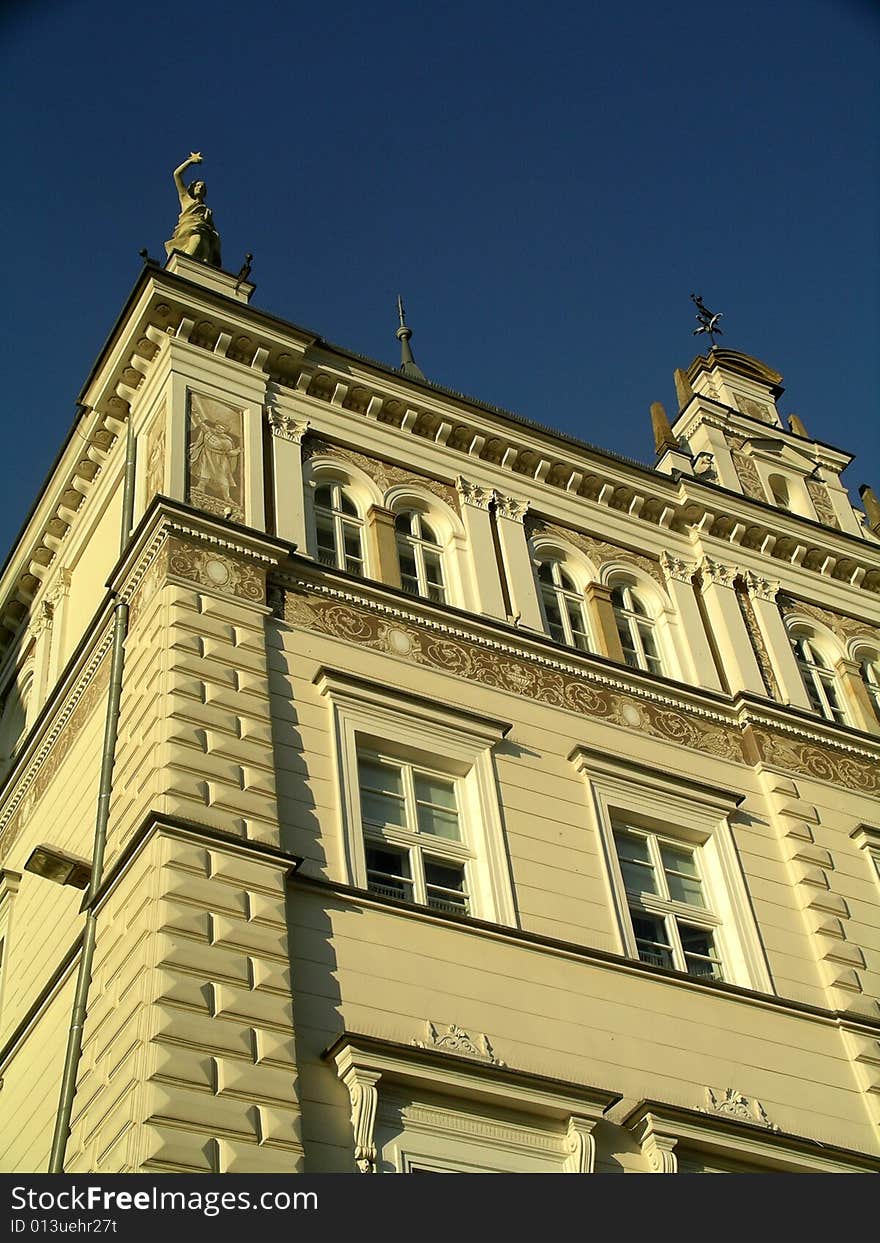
column 195, row 157
column 195, row 234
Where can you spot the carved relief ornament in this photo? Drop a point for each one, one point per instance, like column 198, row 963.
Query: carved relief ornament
column 473, row 494
column 384, row 474
column 718, row 572
column 285, row 427
column 598, row 550
column 454, row 1039
column 678, row 568
column 760, row 588
column 846, row 628
column 733, row 1104
column 510, row 507
column 505, row 668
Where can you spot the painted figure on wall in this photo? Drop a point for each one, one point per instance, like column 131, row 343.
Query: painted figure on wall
column 214, row 454
column 195, row 234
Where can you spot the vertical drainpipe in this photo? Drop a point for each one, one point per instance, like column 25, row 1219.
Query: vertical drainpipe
column 111, row 730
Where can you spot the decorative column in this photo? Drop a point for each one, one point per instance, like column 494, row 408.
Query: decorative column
column 382, row 539
column 729, row 628
column 858, row 701
column 287, row 477
column 517, row 561
column 695, row 652
column 771, row 628
column 478, row 526
column 603, row 623
column 40, row 631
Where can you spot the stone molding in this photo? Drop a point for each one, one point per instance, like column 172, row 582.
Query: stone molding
column 598, row 550
column 678, row 568
column 385, row 475
column 844, row 627
column 718, row 573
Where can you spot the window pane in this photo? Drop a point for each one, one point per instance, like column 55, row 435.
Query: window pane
column 403, row 522
column 346, row 505
column 445, row 887
column 635, row 863
column 545, row 572
column 554, row 616
column 681, row 875
column 388, row 873
column 427, row 531
column 323, row 496
column 437, row 822
column 652, row 940
column 699, row 952
column 326, row 540
column 430, row 789
column 433, row 569
column 382, row 800
column 578, row 629
column 352, row 538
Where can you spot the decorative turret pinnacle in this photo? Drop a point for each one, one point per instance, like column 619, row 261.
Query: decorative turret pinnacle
column 872, row 507
column 408, row 364
column 663, row 437
column 796, row 426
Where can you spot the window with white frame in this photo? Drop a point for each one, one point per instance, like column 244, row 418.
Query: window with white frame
column 563, row 606
column 673, row 870
column 418, row 795
column 637, row 629
column 420, row 555
column 819, row 678
column 869, row 667
column 414, row 843
column 338, row 528
column 672, row 925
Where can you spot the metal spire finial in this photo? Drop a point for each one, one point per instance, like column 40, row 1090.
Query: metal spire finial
column 408, row 364
column 707, row 321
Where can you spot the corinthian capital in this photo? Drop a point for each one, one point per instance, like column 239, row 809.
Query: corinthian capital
column 473, row 494
column 761, row 588
column 677, row 567
column 287, row 428
column 510, row 507
column 718, row 572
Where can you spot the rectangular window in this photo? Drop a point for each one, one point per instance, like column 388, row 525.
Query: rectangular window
column 674, row 873
column 413, row 838
column 671, row 921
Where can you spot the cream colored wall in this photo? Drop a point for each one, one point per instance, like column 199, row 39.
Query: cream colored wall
column 31, row 1086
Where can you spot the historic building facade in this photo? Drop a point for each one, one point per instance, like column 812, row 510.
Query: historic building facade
column 471, row 799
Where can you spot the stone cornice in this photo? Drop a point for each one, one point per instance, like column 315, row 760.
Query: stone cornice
column 167, row 307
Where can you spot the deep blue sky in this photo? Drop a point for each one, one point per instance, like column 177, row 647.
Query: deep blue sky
column 545, row 183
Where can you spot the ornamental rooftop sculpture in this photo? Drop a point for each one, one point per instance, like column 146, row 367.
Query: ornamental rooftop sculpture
column 195, row 234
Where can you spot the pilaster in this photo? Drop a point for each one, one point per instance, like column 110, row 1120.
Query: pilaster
column 517, row 561
column 603, row 621
column 382, row 540
column 475, row 501
column 728, row 627
column 858, row 701
column 287, row 474
column 762, row 593
column 696, row 654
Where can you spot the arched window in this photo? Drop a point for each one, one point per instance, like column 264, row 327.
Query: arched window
column 563, row 606
column 779, row 490
column 420, row 556
column 820, row 680
column 869, row 665
column 339, row 529
column 636, row 628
